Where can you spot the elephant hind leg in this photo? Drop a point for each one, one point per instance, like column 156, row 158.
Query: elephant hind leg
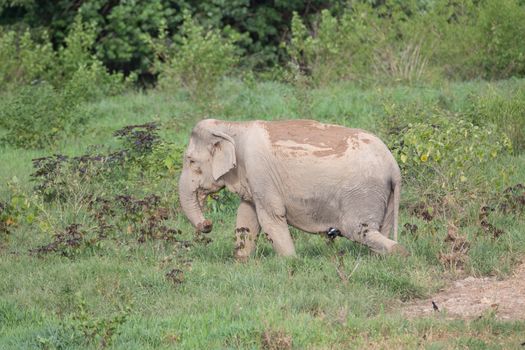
column 378, row 242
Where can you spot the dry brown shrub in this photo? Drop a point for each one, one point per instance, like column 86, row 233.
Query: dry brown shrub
column 276, row 340
column 457, row 256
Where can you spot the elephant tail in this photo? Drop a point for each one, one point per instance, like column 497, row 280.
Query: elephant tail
column 397, row 197
column 392, row 210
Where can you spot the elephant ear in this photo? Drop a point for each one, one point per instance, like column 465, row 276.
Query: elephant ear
column 223, row 154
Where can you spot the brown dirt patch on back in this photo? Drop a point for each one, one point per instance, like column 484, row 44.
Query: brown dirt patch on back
column 329, row 139
column 472, row 297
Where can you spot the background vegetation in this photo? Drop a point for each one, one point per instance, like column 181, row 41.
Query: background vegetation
column 97, row 100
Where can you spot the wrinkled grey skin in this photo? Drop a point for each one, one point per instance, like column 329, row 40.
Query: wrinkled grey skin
column 302, row 173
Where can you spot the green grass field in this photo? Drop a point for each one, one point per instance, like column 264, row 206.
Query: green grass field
column 120, row 293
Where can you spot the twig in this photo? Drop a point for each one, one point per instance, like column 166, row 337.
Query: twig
column 340, row 271
column 355, row 267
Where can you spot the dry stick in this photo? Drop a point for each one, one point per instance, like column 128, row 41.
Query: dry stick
column 338, row 268
column 340, row 273
column 355, row 267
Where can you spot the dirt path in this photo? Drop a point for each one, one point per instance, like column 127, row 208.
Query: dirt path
column 472, row 297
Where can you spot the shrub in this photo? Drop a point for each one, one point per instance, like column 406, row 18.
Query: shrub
column 36, row 116
column 334, row 50
column 197, row 60
column 506, row 111
column 23, row 58
column 26, row 59
column 78, row 71
column 91, row 82
column 411, row 42
column 79, row 212
column 363, row 43
column 15, row 209
column 447, row 143
column 500, row 23
column 144, row 157
column 440, row 154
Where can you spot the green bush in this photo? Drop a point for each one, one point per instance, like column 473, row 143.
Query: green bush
column 334, row 51
column 79, row 71
column 198, row 59
column 440, row 155
column 500, row 24
column 26, row 59
column 37, row 116
column 23, row 58
column 505, row 110
column 412, row 42
column 363, row 43
column 91, row 82
column 16, row 208
column 468, row 40
column 447, row 143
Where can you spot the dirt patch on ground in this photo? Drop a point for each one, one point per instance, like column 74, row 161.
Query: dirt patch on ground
column 473, row 297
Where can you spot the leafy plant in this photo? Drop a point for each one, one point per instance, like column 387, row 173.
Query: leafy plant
column 23, row 58
column 505, row 111
column 84, row 328
column 440, row 154
column 198, row 58
column 37, row 116
column 499, row 24
column 330, row 51
column 80, row 185
column 17, row 208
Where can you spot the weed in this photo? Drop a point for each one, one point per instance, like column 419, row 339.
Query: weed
column 67, row 243
column 456, row 256
column 95, row 330
column 512, row 200
column 80, row 182
column 175, row 276
column 487, row 226
column 139, row 138
column 17, row 208
column 276, row 340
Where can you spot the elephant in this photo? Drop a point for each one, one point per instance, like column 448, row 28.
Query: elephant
column 319, row 178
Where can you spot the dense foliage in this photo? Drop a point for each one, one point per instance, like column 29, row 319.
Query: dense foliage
column 398, row 40
column 123, row 27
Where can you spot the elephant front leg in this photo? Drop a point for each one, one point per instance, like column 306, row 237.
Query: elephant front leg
column 276, row 229
column 246, row 231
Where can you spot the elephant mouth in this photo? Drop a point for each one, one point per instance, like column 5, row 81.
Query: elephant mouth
column 201, row 198
column 202, row 195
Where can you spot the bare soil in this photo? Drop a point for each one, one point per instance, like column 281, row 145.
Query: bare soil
column 474, row 297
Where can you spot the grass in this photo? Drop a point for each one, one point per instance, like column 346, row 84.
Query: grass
column 57, row 302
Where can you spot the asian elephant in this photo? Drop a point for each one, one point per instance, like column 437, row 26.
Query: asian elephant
column 316, row 177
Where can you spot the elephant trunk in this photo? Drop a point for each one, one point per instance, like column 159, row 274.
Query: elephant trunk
column 190, row 204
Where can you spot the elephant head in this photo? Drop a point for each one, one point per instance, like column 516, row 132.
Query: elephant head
column 209, row 156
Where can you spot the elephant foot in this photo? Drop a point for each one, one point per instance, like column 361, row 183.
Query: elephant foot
column 205, row 227
column 398, row 249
